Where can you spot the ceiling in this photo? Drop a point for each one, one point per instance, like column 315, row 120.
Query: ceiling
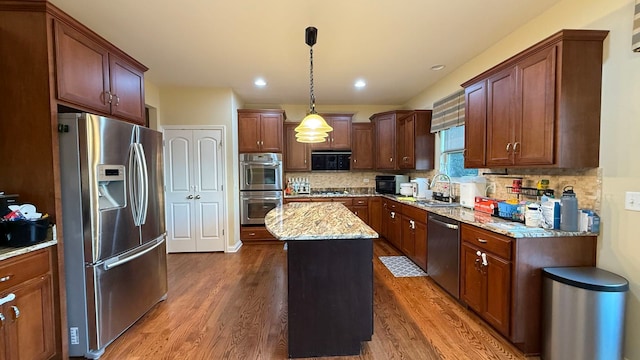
column 391, row 44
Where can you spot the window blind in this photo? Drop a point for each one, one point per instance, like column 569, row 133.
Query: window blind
column 448, row 112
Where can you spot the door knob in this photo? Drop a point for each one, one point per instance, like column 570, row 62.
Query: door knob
column 190, row 197
column 197, row 197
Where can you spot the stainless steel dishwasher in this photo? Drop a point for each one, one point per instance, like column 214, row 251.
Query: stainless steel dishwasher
column 443, row 252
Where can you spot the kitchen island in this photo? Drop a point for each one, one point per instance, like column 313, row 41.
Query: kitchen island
column 330, row 277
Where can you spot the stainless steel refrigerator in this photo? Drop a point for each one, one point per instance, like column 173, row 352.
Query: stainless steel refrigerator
column 113, row 227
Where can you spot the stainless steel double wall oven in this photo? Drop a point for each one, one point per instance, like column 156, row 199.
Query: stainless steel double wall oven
column 260, row 186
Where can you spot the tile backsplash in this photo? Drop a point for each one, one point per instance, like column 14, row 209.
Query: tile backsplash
column 587, row 183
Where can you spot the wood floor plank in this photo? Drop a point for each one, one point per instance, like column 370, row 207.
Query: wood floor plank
column 234, row 306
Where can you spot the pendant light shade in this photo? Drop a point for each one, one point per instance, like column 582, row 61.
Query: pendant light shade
column 313, row 128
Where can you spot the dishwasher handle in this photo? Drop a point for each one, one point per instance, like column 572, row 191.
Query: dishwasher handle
column 447, row 225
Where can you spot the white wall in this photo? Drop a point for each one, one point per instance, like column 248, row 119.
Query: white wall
column 619, row 242
column 208, row 106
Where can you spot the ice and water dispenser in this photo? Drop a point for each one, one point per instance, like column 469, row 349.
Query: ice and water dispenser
column 111, row 187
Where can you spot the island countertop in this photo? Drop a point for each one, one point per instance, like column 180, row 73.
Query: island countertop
column 316, row 221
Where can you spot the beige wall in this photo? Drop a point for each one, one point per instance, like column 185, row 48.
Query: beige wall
column 618, row 244
column 207, row 106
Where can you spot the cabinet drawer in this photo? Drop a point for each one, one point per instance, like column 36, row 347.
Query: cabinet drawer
column 414, row 213
column 487, row 240
column 344, row 201
column 363, row 201
column 22, row 268
column 255, row 233
column 391, row 205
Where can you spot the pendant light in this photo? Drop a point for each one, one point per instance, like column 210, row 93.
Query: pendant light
column 313, row 128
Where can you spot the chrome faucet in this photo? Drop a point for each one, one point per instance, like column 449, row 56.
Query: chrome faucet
column 447, row 178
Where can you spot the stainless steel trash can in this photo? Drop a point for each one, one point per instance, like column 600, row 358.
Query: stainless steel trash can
column 583, row 313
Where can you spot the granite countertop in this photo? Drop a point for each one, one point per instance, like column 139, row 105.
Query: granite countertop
column 486, row 221
column 9, row 252
column 316, row 221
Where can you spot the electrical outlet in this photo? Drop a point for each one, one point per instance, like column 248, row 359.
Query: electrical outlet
column 365, row 180
column 73, row 336
column 632, row 201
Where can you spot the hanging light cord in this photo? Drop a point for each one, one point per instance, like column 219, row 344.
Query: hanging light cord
column 312, row 98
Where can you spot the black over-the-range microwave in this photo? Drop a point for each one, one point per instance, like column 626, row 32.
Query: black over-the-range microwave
column 330, row 160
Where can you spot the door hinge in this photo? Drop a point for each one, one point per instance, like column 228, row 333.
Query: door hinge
column 62, row 128
column 222, row 232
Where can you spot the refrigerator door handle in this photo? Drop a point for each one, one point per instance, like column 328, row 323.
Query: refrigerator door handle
column 133, row 183
column 117, row 261
column 145, row 185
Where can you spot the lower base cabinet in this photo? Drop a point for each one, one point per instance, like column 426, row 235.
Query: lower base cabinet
column 506, row 289
column 26, row 293
column 256, row 234
column 414, row 235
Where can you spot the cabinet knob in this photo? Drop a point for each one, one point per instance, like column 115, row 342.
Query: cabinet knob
column 393, row 214
column 1, row 321
column 390, row 159
column 355, row 160
column 508, row 147
column 258, row 143
column 117, row 99
column 412, row 224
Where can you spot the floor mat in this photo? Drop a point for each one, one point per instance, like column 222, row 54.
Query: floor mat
column 401, row 266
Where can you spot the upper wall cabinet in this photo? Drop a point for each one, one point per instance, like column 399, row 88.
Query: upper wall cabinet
column 340, row 137
column 540, row 108
column 403, row 140
column 260, row 130
column 362, row 150
column 296, row 154
column 91, row 76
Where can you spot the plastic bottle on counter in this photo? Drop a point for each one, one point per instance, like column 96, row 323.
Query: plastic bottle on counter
column 569, row 210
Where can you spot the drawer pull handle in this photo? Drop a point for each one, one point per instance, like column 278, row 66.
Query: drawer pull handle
column 16, row 313
column 482, row 241
column 7, row 298
column 252, row 234
column 1, row 320
column 6, row 278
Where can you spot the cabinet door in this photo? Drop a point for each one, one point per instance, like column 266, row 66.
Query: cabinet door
column 385, row 142
column 341, row 134
column 408, row 243
column 29, row 321
column 249, row 132
column 127, row 89
column 375, row 214
column 271, row 133
column 406, row 142
column 475, row 125
column 501, row 113
column 498, row 293
column 296, row 155
column 534, row 132
column 394, row 228
column 420, row 253
column 82, row 69
column 362, row 146
column 471, row 291
column 362, row 212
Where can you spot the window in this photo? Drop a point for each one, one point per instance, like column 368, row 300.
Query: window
column 452, row 153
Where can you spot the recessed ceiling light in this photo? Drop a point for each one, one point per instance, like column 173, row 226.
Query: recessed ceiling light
column 260, row 82
column 438, row 67
column 360, row 84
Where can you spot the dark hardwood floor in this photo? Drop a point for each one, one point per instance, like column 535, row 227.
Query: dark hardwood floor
column 234, row 306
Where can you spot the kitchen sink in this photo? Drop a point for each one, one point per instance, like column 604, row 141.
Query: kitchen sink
column 436, row 203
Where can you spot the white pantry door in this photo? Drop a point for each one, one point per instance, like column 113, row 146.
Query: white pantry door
column 194, row 163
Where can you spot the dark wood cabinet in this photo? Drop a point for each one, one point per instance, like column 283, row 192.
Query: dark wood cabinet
column 506, row 292
column 296, row 154
column 362, row 150
column 28, row 330
column 486, row 287
column 260, row 130
column 392, row 222
column 340, row 137
column 375, row 214
column 414, row 235
column 404, row 140
column 541, row 107
column 90, row 76
column 253, row 233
